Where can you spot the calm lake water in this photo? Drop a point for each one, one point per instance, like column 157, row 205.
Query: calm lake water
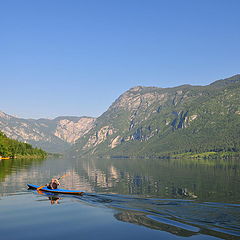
column 125, row 198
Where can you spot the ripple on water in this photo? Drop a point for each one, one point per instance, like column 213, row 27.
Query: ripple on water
column 220, row 220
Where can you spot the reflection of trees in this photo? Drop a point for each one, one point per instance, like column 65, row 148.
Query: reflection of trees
column 11, row 165
column 14, row 172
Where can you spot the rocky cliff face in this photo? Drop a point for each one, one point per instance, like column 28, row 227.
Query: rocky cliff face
column 70, row 131
column 52, row 135
column 150, row 120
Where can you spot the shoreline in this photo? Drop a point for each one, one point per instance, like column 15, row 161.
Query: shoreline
column 22, row 156
column 196, row 156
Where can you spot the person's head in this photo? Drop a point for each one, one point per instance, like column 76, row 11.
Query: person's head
column 55, row 180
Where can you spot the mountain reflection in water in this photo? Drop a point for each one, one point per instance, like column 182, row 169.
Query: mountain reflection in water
column 187, row 179
column 182, row 197
column 212, row 181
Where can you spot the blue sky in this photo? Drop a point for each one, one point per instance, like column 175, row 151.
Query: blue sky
column 76, row 57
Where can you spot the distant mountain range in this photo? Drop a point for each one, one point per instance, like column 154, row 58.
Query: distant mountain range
column 151, row 121
column 55, row 135
column 144, row 121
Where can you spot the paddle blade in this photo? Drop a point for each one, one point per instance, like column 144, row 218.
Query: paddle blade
column 39, row 188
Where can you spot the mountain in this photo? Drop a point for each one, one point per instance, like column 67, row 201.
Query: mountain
column 54, row 135
column 151, row 121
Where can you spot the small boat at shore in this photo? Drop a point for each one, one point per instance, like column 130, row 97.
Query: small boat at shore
column 57, row 191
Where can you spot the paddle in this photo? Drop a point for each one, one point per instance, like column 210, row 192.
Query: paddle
column 39, row 188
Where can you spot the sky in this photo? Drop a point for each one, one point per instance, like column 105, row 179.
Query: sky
column 75, row 57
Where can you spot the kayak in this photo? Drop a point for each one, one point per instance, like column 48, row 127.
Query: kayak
column 58, row 190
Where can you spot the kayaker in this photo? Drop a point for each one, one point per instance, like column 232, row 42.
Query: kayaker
column 53, row 184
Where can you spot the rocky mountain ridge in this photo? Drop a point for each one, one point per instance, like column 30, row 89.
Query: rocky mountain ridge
column 146, row 121
column 54, row 135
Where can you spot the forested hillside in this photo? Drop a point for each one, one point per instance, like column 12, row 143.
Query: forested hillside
column 13, row 148
column 151, row 121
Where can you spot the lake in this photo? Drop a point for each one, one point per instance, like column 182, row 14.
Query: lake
column 125, row 198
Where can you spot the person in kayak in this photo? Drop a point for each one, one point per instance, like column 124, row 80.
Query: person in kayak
column 53, row 184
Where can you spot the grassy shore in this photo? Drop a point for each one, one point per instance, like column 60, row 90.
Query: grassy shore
column 207, row 155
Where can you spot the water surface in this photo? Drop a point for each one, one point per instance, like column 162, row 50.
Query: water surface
column 165, row 199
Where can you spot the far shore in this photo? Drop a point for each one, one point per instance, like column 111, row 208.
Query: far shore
column 21, row 157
